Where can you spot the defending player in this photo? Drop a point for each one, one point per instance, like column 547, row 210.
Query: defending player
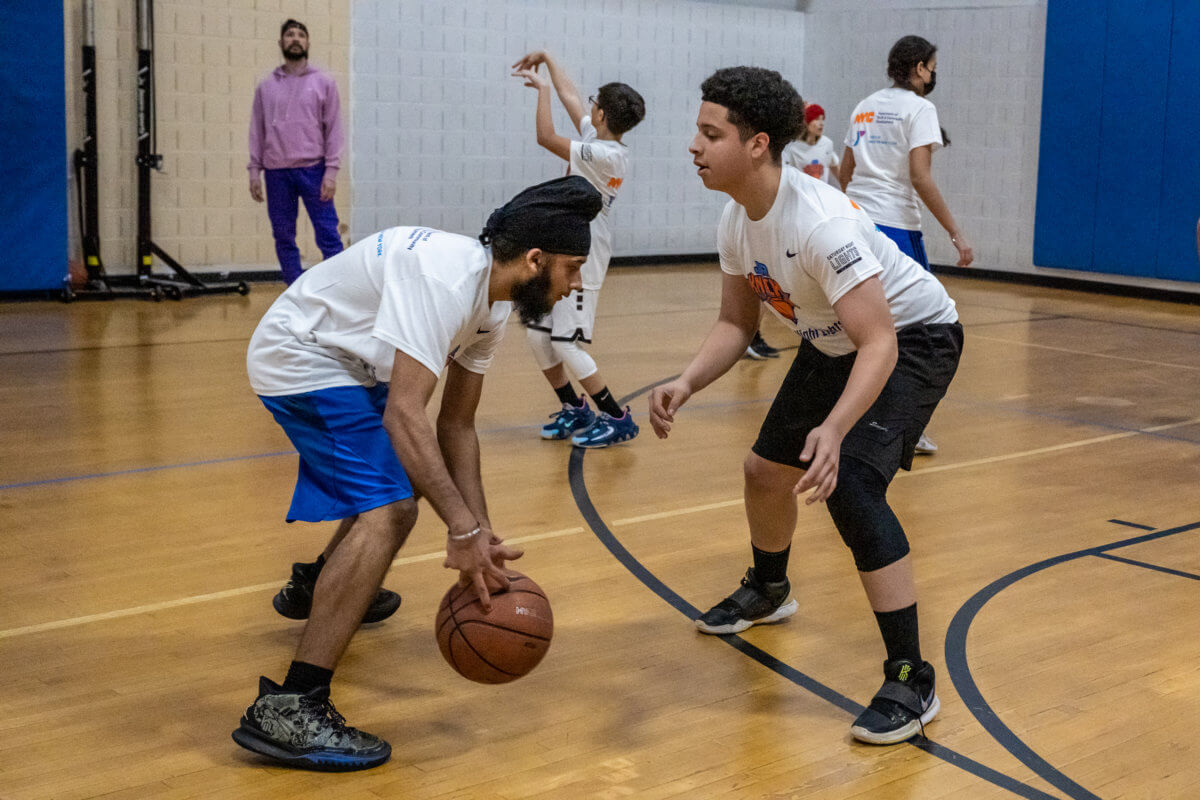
column 397, row 308
column 601, row 157
column 881, row 342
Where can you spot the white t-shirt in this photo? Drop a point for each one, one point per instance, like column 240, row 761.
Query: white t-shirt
column 605, row 164
column 820, row 158
column 812, row 247
column 883, row 129
column 419, row 290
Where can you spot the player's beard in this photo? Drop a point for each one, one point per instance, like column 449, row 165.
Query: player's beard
column 532, row 298
column 295, row 55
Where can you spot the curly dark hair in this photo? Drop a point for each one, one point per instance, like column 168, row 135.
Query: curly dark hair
column 757, row 100
column 622, row 106
column 906, row 53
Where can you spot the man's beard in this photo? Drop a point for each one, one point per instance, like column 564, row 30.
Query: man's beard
column 290, row 55
column 532, row 298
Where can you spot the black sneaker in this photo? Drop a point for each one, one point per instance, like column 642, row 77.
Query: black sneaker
column 753, row 603
column 306, row 731
column 294, row 600
column 759, row 349
column 901, row 707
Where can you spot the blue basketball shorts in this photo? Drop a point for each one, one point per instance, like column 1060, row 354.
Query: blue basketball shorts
column 347, row 462
column 911, row 243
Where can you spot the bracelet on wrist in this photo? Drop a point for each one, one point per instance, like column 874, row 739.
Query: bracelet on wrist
column 462, row 537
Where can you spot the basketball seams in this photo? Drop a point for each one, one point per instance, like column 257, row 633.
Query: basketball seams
column 493, row 625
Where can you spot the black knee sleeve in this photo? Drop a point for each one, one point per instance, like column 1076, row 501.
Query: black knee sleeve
column 863, row 517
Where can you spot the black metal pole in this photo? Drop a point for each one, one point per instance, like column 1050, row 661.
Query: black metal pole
column 87, row 159
column 147, row 142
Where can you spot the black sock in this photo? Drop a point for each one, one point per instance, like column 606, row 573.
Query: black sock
column 303, row 677
column 320, row 562
column 607, row 403
column 566, row 395
column 770, row 567
column 899, row 629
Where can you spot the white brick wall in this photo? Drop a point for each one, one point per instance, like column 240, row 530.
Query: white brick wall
column 443, row 135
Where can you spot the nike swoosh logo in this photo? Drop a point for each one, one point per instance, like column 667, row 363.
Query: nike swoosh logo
column 790, row 254
column 481, row 331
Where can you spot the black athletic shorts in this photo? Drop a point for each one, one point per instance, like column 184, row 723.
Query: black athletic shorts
column 887, row 434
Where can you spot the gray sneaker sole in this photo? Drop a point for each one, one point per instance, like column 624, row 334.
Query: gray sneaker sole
column 900, row 734
column 783, row 612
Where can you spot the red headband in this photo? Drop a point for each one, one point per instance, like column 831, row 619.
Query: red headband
column 812, row 112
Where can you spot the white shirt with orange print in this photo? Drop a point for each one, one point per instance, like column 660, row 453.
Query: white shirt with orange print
column 605, row 164
column 812, row 247
column 884, row 129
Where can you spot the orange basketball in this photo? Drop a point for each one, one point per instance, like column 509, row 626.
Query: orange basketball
column 499, row 646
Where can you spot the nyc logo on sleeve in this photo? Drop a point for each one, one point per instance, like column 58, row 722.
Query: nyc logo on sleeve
column 770, row 292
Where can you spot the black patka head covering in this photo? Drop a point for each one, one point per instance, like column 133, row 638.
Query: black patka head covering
column 553, row 216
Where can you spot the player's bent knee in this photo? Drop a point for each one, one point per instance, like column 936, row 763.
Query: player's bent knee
column 767, row 476
column 578, row 362
column 864, row 519
column 543, row 350
column 401, row 520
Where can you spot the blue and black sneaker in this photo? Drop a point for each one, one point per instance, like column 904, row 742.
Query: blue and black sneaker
column 569, row 420
column 607, row 431
column 306, row 731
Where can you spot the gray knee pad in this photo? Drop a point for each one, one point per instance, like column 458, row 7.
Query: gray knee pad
column 863, row 517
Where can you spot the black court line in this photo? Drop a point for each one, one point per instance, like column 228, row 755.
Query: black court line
column 652, row 582
column 1148, row 565
column 964, row 683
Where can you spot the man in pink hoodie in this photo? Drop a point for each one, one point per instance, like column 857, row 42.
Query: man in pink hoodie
column 296, row 141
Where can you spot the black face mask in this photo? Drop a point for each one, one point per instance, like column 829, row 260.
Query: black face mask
column 932, row 82
column 532, row 298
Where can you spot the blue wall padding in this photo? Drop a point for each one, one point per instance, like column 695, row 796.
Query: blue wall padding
column 1180, row 199
column 33, row 141
column 1064, row 224
column 1132, row 125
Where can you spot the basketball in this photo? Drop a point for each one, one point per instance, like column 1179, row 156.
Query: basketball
column 500, row 646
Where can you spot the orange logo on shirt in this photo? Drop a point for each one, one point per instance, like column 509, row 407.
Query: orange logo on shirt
column 856, row 205
column 770, row 292
column 614, row 183
column 866, row 116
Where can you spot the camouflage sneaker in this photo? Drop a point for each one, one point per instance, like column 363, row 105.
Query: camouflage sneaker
column 306, row 731
column 294, row 600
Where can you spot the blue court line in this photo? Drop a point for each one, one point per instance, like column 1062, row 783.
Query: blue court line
column 964, row 683
column 137, row 470
column 1132, row 524
column 651, row 581
column 1148, row 565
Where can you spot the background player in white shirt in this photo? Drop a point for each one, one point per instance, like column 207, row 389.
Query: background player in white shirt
column 881, row 343
column 887, row 163
column 812, row 152
column 346, row 360
column 600, row 157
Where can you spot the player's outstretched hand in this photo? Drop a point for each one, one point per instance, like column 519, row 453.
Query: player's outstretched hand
column 665, row 400
column 532, row 78
column 480, row 564
column 822, row 448
column 531, row 60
